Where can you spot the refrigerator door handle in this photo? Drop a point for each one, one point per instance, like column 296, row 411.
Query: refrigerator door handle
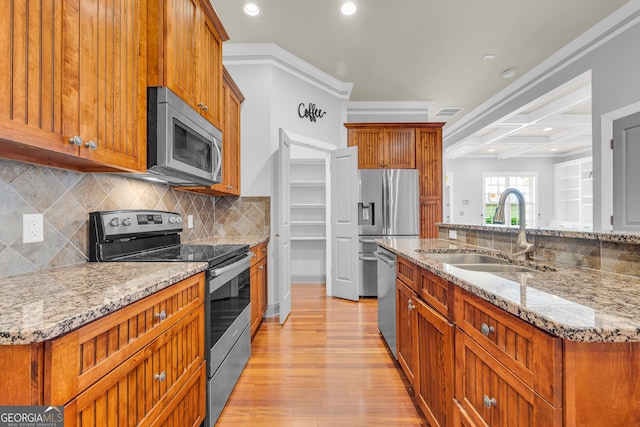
column 385, row 203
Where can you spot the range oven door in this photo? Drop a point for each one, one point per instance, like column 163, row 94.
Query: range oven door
column 228, row 336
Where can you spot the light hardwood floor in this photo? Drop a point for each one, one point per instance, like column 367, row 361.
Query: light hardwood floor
column 327, row 366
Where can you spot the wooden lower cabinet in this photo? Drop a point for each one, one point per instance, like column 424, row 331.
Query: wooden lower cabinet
column 258, row 272
column 406, row 331
column 136, row 391
column 435, row 365
column 492, row 395
column 141, row 365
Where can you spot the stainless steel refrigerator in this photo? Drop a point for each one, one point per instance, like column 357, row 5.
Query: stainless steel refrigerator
column 388, row 207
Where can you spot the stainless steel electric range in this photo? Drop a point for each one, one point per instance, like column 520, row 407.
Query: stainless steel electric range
column 153, row 236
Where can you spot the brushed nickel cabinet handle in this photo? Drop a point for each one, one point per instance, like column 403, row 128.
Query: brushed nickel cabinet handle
column 76, row 140
column 486, row 329
column 489, row 402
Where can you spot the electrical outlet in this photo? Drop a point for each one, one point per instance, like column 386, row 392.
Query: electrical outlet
column 453, row 234
column 32, row 228
column 189, row 221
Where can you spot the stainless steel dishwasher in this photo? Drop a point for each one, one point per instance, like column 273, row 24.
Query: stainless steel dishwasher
column 386, row 261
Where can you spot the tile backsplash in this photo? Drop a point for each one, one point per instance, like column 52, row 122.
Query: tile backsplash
column 65, row 198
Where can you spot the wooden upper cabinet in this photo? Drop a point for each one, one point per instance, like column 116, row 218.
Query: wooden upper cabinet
column 429, row 163
column 230, row 185
column 380, row 147
column 400, row 148
column 370, row 148
column 75, row 84
column 104, row 80
column 185, row 54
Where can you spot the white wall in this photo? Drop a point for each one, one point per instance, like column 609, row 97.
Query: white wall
column 467, row 185
column 273, row 90
column 610, row 51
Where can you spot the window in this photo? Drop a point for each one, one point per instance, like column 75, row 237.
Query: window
column 494, row 184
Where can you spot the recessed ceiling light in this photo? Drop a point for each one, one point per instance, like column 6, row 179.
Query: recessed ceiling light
column 508, row 73
column 251, row 9
column 488, row 56
column 348, row 8
column 492, row 150
column 547, row 129
column 554, row 149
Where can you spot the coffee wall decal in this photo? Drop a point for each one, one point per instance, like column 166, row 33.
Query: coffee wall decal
column 312, row 112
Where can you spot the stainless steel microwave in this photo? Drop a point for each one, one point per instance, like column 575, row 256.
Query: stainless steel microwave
column 183, row 148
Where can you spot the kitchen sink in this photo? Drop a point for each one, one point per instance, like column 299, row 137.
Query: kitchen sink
column 494, row 268
column 467, row 258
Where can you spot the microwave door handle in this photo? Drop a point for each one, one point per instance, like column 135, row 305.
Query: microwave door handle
column 219, row 150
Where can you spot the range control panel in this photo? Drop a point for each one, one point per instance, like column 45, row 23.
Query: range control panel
column 136, row 222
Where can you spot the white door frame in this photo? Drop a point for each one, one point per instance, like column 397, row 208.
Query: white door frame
column 314, row 144
column 606, row 163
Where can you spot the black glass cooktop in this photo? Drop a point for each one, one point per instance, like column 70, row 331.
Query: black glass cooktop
column 213, row 254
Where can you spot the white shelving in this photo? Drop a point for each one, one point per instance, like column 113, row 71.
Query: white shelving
column 573, row 194
column 308, row 220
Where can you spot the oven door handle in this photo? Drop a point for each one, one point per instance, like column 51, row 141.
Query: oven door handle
column 240, row 264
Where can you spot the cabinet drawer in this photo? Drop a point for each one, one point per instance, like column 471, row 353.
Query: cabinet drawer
column 136, row 391
column 259, row 252
column 490, row 394
column 407, row 272
column 436, row 291
column 532, row 355
column 75, row 361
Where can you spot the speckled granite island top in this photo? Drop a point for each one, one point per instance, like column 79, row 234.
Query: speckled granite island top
column 576, row 304
column 40, row 306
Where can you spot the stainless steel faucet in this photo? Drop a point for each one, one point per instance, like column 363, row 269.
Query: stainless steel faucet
column 525, row 247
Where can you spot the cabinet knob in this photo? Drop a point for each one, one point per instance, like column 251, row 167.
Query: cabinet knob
column 229, row 187
column 261, row 267
column 411, row 306
column 205, row 107
column 200, row 105
column 92, row 145
column 486, row 329
column 161, row 376
column 76, row 140
column 489, row 402
column 162, row 315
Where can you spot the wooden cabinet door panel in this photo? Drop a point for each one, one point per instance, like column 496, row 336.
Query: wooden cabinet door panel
column 31, row 81
column 406, row 332
column 399, row 148
column 435, row 360
column 232, row 99
column 430, row 214
column 210, row 73
column 189, row 408
column 104, row 80
column 182, row 21
column 370, row 147
column 491, row 395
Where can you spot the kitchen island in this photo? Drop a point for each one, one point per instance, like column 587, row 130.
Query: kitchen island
column 548, row 346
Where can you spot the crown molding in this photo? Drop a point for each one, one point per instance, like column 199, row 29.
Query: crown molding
column 617, row 22
column 272, row 54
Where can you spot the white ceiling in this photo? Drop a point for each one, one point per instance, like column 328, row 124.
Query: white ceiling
column 426, row 50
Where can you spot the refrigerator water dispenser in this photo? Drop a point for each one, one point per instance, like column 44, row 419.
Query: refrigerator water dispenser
column 365, row 213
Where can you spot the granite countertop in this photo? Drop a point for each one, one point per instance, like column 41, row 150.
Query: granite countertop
column 577, row 304
column 43, row 305
column 605, row 236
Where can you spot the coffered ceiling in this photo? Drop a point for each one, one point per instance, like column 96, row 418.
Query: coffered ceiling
column 427, row 50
